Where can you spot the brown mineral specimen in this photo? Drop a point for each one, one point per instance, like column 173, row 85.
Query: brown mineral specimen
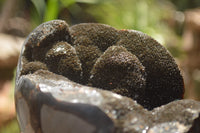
column 94, row 78
column 128, row 62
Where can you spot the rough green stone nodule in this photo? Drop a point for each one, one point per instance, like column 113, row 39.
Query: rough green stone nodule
column 94, row 78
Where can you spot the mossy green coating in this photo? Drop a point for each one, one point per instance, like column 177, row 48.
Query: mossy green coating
column 127, row 62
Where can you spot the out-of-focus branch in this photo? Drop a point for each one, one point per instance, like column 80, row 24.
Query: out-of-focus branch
column 7, row 11
column 9, row 50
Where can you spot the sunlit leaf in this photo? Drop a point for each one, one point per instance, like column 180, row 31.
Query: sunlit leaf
column 67, row 3
column 40, row 7
column 52, row 10
column 11, row 127
column 90, row 1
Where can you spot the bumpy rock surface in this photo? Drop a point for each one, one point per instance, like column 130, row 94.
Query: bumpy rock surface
column 93, row 78
column 127, row 62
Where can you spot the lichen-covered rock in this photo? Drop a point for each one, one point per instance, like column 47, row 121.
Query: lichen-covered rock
column 94, row 78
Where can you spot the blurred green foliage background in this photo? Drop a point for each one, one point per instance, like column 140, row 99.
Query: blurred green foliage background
column 161, row 19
